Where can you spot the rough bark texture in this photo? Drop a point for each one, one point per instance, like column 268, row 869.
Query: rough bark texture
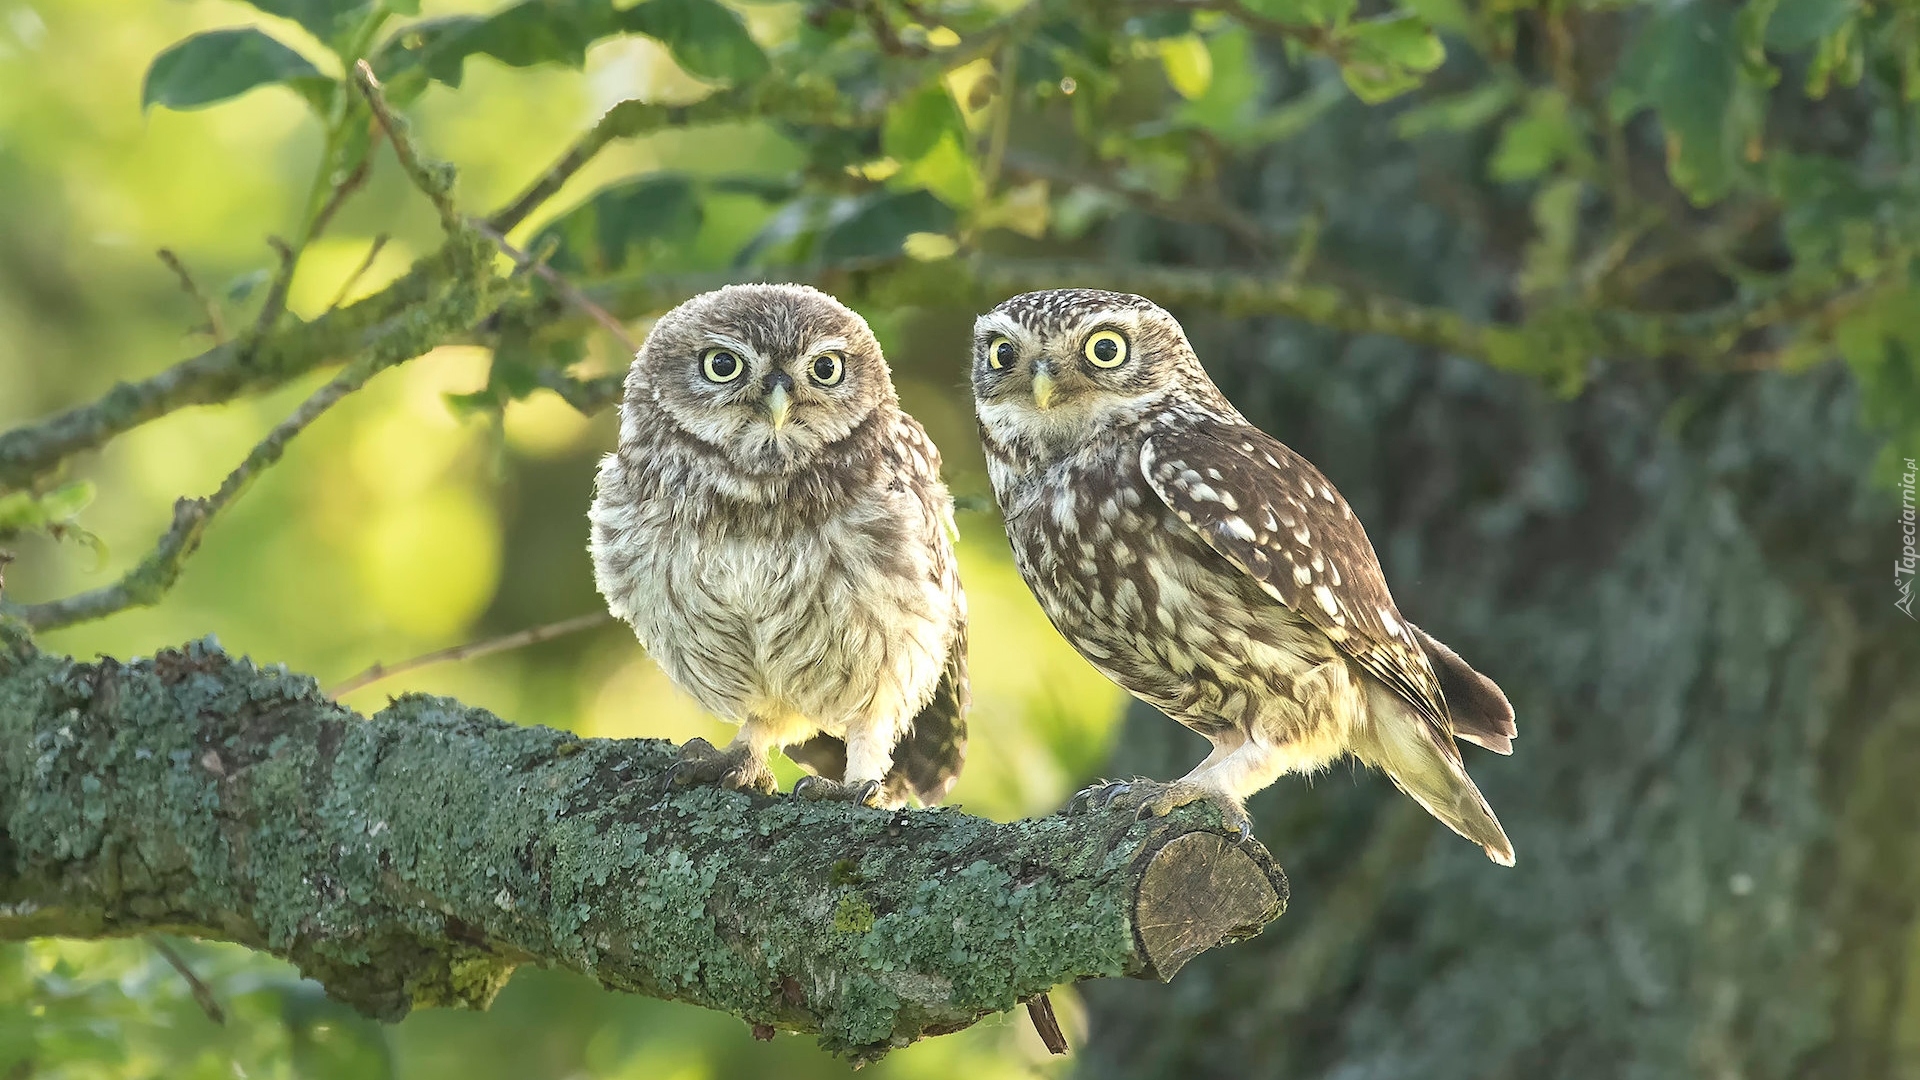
column 415, row 858
column 1684, row 584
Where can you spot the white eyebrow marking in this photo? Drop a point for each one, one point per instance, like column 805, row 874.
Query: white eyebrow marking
column 832, row 344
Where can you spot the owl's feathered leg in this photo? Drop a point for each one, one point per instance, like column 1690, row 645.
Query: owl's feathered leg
column 869, row 757
column 741, row 766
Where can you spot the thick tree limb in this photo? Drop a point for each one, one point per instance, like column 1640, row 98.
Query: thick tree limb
column 417, row 857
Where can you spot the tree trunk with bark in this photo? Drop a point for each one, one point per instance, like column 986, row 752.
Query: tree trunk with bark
column 1683, row 583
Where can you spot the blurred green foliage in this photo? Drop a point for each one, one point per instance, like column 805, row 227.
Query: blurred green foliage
column 1691, row 179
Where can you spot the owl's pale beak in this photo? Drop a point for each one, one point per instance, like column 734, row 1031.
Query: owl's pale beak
column 1042, row 390
column 779, row 403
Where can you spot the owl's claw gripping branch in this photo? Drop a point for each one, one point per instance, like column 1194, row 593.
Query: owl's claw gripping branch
column 416, row 857
column 821, row 789
column 735, row 767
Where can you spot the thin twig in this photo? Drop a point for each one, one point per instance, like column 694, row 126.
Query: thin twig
column 566, row 289
column 587, row 396
column 1045, row 1024
column 276, row 302
column 146, row 583
column 625, row 120
column 379, row 242
column 433, row 178
column 202, row 993
column 216, row 326
column 516, row 640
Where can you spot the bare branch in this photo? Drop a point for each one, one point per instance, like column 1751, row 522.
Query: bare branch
column 560, row 285
column 517, row 640
column 146, row 583
column 1045, row 1024
column 202, row 993
column 433, row 178
column 216, row 326
column 346, row 287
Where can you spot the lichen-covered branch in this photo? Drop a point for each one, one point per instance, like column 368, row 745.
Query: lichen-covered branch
column 416, row 857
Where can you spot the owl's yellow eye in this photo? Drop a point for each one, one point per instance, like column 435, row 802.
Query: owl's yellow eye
column 827, row 368
column 721, row 365
column 1106, row 349
column 1001, row 354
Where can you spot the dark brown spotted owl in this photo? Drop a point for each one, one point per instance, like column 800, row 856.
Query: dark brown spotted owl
column 1210, row 570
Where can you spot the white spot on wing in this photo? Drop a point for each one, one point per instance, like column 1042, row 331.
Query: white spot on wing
column 1324, row 596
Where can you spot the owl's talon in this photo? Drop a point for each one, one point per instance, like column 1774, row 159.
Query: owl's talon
column 821, row 789
column 734, row 767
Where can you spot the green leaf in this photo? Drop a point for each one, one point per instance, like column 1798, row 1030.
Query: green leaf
column 1881, row 343
column 1797, row 24
column 1308, row 12
column 220, row 64
column 947, row 170
column 327, row 20
column 1455, row 112
column 1540, row 138
column 705, row 38
column 1556, row 222
column 1236, row 88
column 1384, row 58
column 1188, row 64
column 1687, row 65
column 918, row 122
column 526, row 34
column 539, row 32
column 601, row 233
column 875, row 226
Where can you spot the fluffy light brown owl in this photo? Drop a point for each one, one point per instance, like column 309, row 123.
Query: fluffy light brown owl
column 1210, row 570
column 774, row 528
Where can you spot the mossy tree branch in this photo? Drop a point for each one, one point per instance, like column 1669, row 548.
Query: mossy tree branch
column 417, row 857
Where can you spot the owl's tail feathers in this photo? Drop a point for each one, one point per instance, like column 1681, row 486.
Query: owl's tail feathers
column 1425, row 764
column 1480, row 712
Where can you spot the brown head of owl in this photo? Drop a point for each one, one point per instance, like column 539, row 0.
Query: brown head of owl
column 768, row 377
column 1054, row 369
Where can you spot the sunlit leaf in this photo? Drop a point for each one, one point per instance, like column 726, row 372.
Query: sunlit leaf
column 219, row 64
column 1384, row 58
column 1188, row 64
column 919, row 121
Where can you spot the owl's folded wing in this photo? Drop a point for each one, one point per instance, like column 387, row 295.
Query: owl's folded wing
column 1270, row 513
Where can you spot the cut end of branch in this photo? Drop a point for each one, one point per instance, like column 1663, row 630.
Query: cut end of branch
column 1199, row 890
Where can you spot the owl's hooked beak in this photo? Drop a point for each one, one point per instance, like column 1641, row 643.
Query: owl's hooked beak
column 1042, row 389
column 779, row 404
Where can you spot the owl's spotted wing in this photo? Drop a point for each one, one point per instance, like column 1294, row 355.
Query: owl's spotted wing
column 1270, row 513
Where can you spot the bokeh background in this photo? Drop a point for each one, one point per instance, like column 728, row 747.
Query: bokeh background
column 399, row 525
column 1672, row 551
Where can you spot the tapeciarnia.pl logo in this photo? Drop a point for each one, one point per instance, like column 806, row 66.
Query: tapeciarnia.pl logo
column 1903, row 567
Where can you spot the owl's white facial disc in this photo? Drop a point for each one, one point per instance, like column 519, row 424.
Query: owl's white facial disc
column 770, row 376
